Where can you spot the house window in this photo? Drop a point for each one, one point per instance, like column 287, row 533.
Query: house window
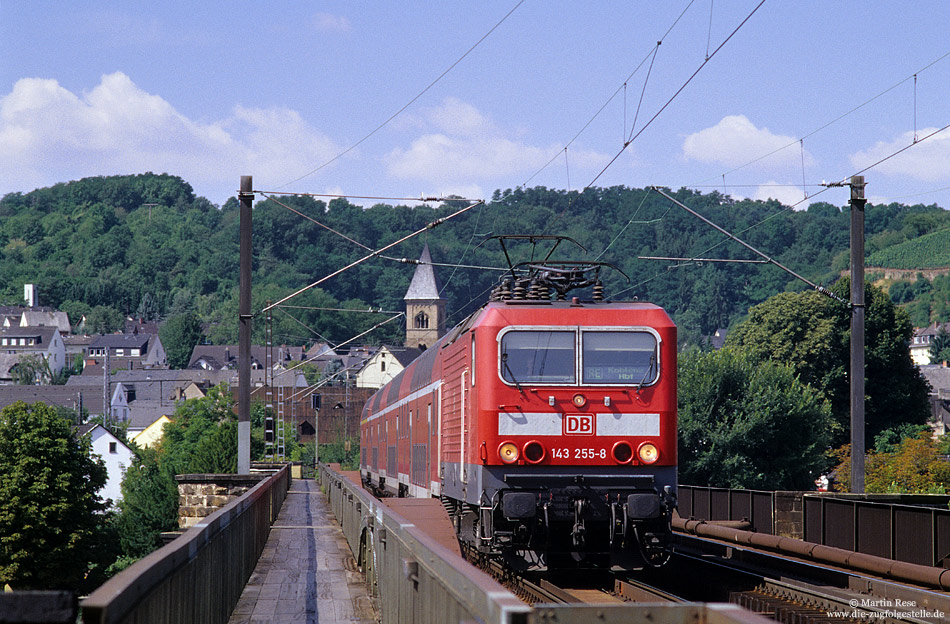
column 382, row 366
column 22, row 342
column 4, row 342
column 135, row 352
column 113, row 447
column 120, row 352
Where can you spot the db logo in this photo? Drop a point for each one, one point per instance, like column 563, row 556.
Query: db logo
column 579, row 424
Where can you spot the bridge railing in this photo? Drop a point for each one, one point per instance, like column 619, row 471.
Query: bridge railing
column 414, row 579
column 710, row 503
column 915, row 534
column 199, row 576
column 418, row 581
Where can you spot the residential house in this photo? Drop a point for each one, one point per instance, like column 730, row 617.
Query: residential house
column 36, row 317
column 384, row 365
column 320, row 350
column 151, row 435
column 32, row 314
column 16, row 342
column 87, row 400
column 127, row 351
column 718, row 339
column 144, row 414
column 938, row 376
column 141, row 396
column 139, row 326
column 116, row 455
column 77, row 347
column 194, row 390
column 225, row 357
column 923, row 338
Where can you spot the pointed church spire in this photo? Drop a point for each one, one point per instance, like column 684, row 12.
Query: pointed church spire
column 425, row 283
column 425, row 307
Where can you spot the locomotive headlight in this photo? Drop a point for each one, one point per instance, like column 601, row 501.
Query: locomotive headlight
column 648, row 453
column 579, row 400
column 508, row 452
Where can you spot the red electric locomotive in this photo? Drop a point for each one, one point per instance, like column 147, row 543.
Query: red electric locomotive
column 547, row 427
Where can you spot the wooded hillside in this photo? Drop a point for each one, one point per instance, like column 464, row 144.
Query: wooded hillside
column 146, row 245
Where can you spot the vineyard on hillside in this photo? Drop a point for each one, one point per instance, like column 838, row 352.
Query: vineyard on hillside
column 930, row 251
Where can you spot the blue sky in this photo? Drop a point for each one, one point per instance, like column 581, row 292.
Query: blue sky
column 214, row 90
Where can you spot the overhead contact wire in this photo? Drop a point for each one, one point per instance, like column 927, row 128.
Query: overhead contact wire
column 835, row 120
column 792, row 207
column 311, row 219
column 621, row 88
column 374, row 254
column 410, row 102
column 675, row 95
column 644, row 89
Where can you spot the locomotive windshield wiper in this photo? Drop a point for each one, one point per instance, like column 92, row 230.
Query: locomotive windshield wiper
column 504, row 363
column 648, row 372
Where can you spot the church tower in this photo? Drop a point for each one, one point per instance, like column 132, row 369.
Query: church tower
column 425, row 308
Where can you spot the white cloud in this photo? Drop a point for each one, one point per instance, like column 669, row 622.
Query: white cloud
column 928, row 161
column 49, row 134
column 735, row 141
column 331, row 23
column 461, row 147
column 788, row 195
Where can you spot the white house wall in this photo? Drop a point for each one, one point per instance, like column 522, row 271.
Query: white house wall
column 116, row 461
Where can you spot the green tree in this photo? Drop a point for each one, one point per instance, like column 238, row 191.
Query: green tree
column 914, row 466
column 940, row 347
column 50, row 513
column 194, row 420
column 149, row 504
column 31, row 369
column 216, row 452
column 179, row 336
column 811, row 332
column 148, row 307
column 104, row 320
column 745, row 423
column 75, row 310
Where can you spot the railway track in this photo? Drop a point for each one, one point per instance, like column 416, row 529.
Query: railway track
column 704, row 569
column 772, row 586
column 790, row 590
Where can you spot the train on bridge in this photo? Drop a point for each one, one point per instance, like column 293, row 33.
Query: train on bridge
column 545, row 422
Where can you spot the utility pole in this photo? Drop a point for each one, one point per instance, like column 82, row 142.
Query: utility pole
column 244, row 331
column 857, row 333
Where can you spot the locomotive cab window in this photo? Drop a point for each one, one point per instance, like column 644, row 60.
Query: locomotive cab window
column 538, row 357
column 619, row 357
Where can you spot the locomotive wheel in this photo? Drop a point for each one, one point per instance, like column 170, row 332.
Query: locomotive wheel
column 467, row 527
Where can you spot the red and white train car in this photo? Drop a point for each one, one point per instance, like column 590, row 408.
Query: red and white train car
column 548, row 428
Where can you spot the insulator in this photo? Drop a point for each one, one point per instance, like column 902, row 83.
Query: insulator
column 598, row 291
column 535, row 291
column 520, row 290
column 502, row 291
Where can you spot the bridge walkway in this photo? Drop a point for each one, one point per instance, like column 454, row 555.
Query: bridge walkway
column 306, row 573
